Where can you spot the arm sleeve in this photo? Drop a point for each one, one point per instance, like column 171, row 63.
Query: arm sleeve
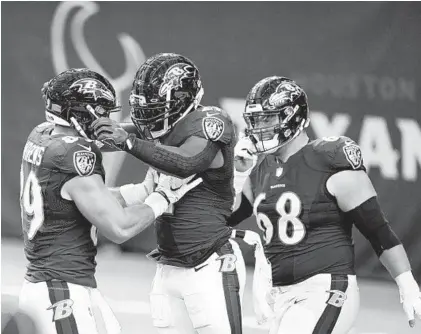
column 170, row 162
column 243, row 212
column 369, row 219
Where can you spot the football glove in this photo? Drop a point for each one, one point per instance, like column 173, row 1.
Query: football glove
column 137, row 193
column 249, row 237
column 410, row 296
column 244, row 155
column 168, row 191
column 262, row 285
column 110, row 132
column 244, row 161
column 262, row 277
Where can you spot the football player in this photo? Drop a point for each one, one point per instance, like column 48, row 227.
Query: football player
column 200, row 273
column 64, row 200
column 306, row 195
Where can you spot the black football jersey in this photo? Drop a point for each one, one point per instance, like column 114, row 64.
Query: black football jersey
column 197, row 225
column 60, row 243
column 304, row 230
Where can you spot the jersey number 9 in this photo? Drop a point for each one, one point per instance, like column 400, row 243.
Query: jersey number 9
column 286, row 218
column 32, row 205
column 31, row 202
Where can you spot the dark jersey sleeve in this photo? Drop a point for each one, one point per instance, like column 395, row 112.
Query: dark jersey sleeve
column 347, row 155
column 215, row 125
column 210, row 123
column 77, row 157
column 339, row 153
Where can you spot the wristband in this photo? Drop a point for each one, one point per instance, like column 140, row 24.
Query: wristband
column 157, row 202
column 406, row 283
column 133, row 193
column 239, row 179
column 129, row 142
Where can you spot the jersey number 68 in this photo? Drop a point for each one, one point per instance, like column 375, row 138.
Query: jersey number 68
column 286, row 218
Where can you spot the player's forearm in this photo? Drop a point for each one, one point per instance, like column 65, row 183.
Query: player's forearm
column 397, row 263
column 173, row 160
column 243, row 211
column 117, row 195
column 120, row 224
column 131, row 194
column 395, row 260
column 137, row 218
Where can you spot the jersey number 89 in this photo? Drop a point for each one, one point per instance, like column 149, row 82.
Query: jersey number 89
column 286, row 218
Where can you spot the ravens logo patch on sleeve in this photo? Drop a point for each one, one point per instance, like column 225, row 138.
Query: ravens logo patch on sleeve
column 213, row 127
column 353, row 155
column 84, row 162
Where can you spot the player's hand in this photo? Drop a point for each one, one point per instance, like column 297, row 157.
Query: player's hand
column 410, row 296
column 244, row 155
column 168, row 191
column 175, row 188
column 412, row 306
column 252, row 238
column 263, row 299
column 109, row 131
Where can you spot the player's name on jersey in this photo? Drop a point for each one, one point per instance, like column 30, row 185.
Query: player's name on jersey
column 33, row 153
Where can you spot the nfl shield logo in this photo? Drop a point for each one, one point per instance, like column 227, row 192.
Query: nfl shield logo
column 213, row 128
column 353, row 155
column 84, row 162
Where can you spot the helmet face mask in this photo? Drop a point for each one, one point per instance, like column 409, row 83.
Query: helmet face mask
column 157, row 118
column 166, row 88
column 76, row 97
column 276, row 112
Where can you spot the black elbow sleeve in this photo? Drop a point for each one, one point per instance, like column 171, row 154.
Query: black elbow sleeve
column 244, row 211
column 173, row 163
column 371, row 222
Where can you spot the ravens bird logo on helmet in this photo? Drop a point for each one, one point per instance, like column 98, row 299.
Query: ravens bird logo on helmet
column 276, row 112
column 165, row 89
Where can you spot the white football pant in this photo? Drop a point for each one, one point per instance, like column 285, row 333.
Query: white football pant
column 58, row 307
column 322, row 304
column 201, row 300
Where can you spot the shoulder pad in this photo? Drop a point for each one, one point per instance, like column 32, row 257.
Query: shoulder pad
column 339, row 153
column 40, row 128
column 210, row 123
column 76, row 155
column 216, row 124
column 43, row 126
